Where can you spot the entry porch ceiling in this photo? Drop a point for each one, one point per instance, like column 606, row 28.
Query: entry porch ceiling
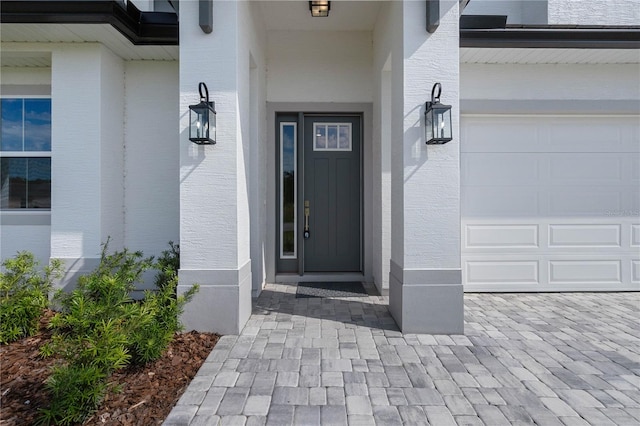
column 78, row 33
column 474, row 55
column 294, row 15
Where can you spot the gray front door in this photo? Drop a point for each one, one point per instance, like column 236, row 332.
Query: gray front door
column 332, row 192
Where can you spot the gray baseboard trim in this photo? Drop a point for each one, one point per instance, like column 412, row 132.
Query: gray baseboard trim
column 223, row 303
column 215, row 277
column 74, row 268
column 425, row 276
column 427, row 300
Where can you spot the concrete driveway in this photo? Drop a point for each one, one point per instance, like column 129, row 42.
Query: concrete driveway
column 546, row 359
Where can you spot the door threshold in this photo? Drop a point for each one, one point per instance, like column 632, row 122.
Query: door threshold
column 321, row 276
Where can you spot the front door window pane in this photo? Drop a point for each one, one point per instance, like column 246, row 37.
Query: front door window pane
column 288, row 189
column 332, row 137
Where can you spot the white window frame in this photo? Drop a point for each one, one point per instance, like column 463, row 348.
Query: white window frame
column 295, row 190
column 25, row 154
column 326, row 127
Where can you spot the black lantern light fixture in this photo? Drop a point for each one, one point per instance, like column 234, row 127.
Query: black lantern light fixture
column 437, row 119
column 319, row 8
column 202, row 119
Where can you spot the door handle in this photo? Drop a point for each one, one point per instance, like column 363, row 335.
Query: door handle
column 307, row 234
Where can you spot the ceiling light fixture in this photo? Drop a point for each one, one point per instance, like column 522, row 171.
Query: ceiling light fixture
column 319, row 8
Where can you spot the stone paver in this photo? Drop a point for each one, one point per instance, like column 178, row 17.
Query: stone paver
column 552, row 359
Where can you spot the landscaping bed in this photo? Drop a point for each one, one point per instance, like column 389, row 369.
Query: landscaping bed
column 145, row 397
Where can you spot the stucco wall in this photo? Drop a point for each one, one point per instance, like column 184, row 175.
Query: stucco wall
column 75, row 166
column 567, row 82
column 594, row 12
column 111, row 143
column 30, row 236
column 431, row 175
column 208, row 225
column 115, row 171
column 319, row 66
column 425, row 284
column 151, row 148
column 252, row 157
column 381, row 146
column 214, row 217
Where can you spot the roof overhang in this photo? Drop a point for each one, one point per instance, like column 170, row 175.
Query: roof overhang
column 550, row 36
column 141, row 28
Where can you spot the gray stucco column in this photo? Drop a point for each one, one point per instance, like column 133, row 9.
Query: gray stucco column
column 425, row 283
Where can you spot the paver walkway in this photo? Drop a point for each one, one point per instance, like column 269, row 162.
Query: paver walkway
column 547, row 359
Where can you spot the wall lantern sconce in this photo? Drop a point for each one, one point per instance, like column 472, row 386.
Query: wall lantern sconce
column 319, row 8
column 437, row 119
column 202, row 119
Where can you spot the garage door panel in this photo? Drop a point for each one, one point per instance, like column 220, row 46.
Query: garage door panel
column 585, row 271
column 502, row 272
column 553, row 236
column 504, row 133
column 560, row 215
column 634, row 205
column 494, row 136
column 585, row 134
column 501, row 236
column 580, row 201
column 488, row 201
column 579, row 168
column 501, row 169
column 523, row 273
column 585, row 235
column 635, row 235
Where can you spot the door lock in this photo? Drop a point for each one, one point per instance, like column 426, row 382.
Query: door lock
column 306, row 234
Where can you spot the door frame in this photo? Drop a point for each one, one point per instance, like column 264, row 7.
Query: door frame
column 365, row 112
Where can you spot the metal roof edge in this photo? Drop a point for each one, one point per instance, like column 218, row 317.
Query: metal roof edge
column 574, row 37
column 141, row 28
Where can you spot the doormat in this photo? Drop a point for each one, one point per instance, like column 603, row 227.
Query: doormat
column 330, row 289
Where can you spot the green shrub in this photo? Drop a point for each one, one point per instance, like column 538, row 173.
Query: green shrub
column 102, row 329
column 24, row 294
column 158, row 321
column 76, row 391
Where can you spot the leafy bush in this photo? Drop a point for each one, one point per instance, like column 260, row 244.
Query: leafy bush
column 75, row 391
column 24, row 294
column 102, row 329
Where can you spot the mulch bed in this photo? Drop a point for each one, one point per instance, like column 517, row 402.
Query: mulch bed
column 146, row 394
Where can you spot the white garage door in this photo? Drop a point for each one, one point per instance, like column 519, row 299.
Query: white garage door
column 550, row 203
